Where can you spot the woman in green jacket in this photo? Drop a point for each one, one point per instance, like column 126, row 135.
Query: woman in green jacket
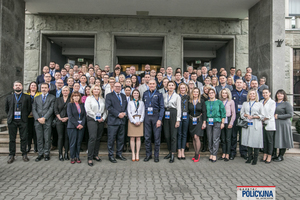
column 216, row 115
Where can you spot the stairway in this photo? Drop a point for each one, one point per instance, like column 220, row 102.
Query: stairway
column 4, row 144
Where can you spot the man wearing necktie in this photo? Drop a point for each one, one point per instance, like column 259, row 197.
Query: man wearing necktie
column 52, row 68
column 17, row 108
column 203, row 76
column 116, row 104
column 42, row 110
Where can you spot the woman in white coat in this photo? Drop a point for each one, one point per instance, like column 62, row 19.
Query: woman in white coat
column 269, row 125
column 136, row 114
column 252, row 137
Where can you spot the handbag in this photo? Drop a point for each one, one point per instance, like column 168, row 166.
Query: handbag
column 242, row 123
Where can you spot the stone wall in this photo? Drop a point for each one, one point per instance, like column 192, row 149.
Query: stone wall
column 266, row 24
column 12, row 17
column 106, row 26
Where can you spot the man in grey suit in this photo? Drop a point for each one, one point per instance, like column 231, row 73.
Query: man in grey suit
column 47, row 78
column 223, row 84
column 42, row 110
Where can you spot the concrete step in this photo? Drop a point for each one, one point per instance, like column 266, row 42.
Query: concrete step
column 3, row 127
column 4, row 121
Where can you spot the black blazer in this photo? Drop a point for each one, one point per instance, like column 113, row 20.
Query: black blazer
column 112, row 104
column 60, row 107
column 25, row 109
column 200, row 79
column 74, row 116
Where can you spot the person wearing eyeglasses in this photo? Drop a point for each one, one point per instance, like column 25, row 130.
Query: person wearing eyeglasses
column 116, row 104
column 216, row 115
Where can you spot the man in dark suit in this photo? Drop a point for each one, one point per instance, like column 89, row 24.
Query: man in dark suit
column 42, row 110
column 147, row 71
column 57, row 93
column 116, row 104
column 17, row 108
column 47, row 78
column 223, row 84
column 254, row 86
column 203, row 75
column 40, row 78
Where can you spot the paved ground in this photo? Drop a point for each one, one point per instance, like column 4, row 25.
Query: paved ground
column 140, row 180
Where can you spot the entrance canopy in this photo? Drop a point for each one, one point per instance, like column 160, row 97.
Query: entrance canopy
column 237, row 9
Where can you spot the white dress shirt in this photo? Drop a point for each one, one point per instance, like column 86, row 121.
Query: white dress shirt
column 131, row 111
column 92, row 107
column 173, row 101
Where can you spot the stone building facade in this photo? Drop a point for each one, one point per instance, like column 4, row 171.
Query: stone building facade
column 105, row 27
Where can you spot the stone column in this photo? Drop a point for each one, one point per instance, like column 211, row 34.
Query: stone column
column 173, row 51
column 266, row 25
column 104, row 50
column 12, row 28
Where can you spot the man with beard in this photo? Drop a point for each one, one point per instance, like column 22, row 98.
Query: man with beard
column 17, row 108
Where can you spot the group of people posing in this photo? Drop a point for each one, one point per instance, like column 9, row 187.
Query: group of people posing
column 75, row 103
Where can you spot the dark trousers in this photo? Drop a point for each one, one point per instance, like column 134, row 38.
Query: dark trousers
column 95, row 134
column 63, row 138
column 113, row 133
column 226, row 138
column 75, row 139
column 54, row 136
column 268, row 141
column 250, row 152
column 213, row 135
column 43, row 136
column 170, row 130
column 150, row 126
column 182, row 133
column 235, row 131
column 126, row 138
column 204, row 140
column 31, row 134
column 12, row 130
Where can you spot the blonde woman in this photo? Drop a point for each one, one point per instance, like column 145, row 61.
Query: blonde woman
column 215, row 81
column 230, row 81
column 122, row 80
column 197, row 120
column 226, row 133
column 96, row 115
column 252, row 137
column 184, row 123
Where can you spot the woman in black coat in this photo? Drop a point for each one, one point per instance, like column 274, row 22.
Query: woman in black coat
column 76, row 122
column 60, row 111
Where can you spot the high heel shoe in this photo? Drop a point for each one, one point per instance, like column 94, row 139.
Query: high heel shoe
column 197, row 160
